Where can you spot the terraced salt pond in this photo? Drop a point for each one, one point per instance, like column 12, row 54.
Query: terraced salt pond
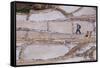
column 54, row 24
column 47, row 51
column 43, row 51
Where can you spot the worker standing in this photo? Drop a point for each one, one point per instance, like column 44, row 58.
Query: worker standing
column 78, row 29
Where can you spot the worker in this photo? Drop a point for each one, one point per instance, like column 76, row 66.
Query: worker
column 78, row 29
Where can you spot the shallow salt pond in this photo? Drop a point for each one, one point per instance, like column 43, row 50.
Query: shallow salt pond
column 48, row 51
column 44, row 51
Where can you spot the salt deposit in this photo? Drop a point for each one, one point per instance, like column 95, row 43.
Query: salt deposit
column 47, row 16
column 44, row 51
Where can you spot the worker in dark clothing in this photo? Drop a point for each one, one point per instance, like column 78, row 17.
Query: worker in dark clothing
column 78, row 29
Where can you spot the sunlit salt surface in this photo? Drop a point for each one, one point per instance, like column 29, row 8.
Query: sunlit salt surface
column 41, row 51
column 44, row 51
column 21, row 17
column 69, row 9
column 47, row 16
column 85, row 11
column 17, row 53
